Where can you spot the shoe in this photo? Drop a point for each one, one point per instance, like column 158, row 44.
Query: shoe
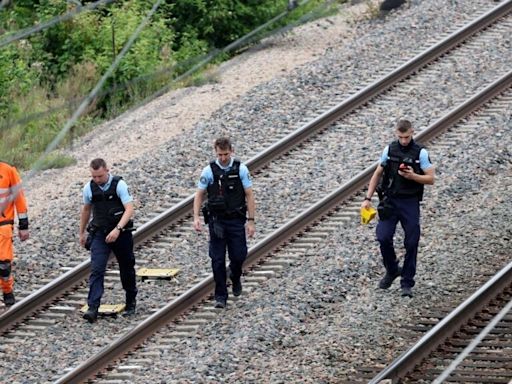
column 237, row 286
column 220, row 303
column 406, row 292
column 9, row 299
column 129, row 308
column 91, row 315
column 388, row 279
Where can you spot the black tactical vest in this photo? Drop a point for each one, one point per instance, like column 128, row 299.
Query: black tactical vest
column 226, row 196
column 394, row 185
column 107, row 208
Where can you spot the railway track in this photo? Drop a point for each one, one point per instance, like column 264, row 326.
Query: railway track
column 287, row 246
column 470, row 344
column 176, row 219
column 183, row 208
column 152, row 198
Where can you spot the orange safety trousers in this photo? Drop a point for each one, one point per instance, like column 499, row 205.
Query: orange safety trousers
column 12, row 200
column 12, row 197
column 6, row 255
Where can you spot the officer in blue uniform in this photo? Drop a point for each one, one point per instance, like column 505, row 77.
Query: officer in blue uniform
column 404, row 169
column 107, row 197
column 229, row 207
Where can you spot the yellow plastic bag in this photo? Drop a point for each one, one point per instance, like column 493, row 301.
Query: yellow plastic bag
column 367, row 215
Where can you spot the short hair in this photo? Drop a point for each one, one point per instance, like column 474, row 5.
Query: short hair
column 403, row 125
column 98, row 163
column 223, row 143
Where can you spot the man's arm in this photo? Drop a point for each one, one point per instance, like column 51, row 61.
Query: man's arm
column 372, row 186
column 427, row 178
column 20, row 204
column 85, row 214
column 127, row 201
column 198, row 201
column 127, row 215
column 251, row 211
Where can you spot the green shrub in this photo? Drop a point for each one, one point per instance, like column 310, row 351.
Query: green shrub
column 56, row 68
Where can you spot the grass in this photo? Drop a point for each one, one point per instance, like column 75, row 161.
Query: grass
column 35, row 119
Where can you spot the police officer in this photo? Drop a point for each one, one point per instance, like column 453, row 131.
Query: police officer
column 12, row 202
column 230, row 205
column 109, row 230
column 404, row 169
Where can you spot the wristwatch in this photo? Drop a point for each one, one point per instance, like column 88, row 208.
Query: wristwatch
column 119, row 227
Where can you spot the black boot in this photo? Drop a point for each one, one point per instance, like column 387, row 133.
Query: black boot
column 91, row 315
column 237, row 285
column 129, row 309
column 9, row 299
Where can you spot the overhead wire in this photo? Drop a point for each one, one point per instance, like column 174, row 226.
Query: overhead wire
column 239, row 43
column 201, row 61
column 50, row 23
column 95, row 91
column 63, row 132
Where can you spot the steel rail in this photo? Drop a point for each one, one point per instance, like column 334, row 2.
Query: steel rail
column 50, row 291
column 191, row 297
column 446, row 327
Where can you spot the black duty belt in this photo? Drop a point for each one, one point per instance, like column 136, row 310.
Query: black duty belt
column 6, row 222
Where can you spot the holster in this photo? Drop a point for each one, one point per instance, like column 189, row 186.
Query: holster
column 385, row 208
column 91, row 230
column 88, row 241
column 206, row 214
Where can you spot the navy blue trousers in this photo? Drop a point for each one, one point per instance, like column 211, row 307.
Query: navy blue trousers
column 234, row 240
column 100, row 252
column 407, row 212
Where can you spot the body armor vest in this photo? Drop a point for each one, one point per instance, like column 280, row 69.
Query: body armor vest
column 107, row 208
column 226, row 196
column 394, row 185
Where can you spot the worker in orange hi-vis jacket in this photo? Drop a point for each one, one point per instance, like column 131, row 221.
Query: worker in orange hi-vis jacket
column 12, row 201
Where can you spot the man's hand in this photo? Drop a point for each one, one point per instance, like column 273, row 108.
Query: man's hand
column 82, row 239
column 23, row 234
column 112, row 236
column 197, row 224
column 407, row 173
column 250, row 229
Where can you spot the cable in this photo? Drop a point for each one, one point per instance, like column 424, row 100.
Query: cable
column 60, row 136
column 236, row 44
column 115, row 88
column 202, row 60
column 473, row 344
column 29, row 31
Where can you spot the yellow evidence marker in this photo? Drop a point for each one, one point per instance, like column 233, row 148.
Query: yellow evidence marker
column 106, row 309
column 367, row 215
column 157, row 273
